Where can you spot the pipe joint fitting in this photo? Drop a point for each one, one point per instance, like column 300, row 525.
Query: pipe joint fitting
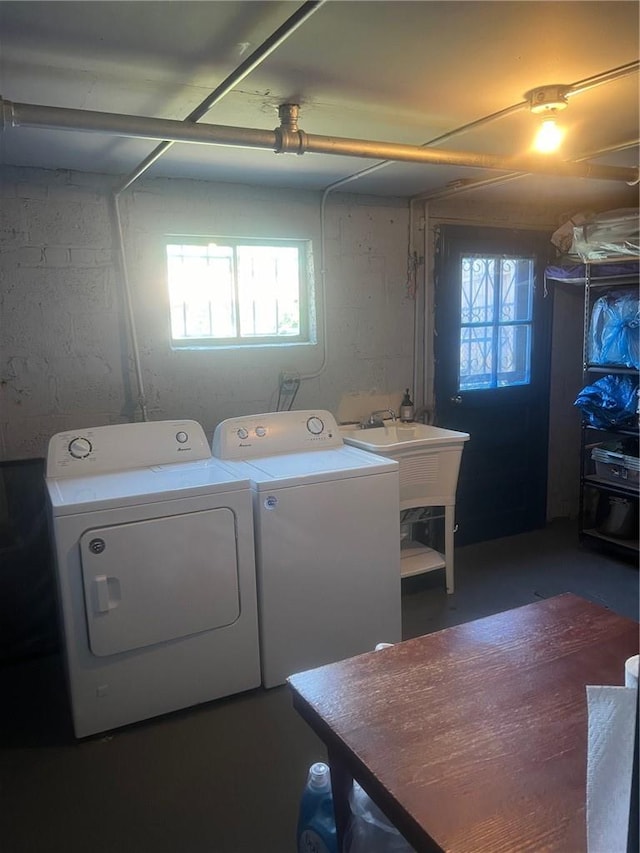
column 288, row 142
column 288, row 115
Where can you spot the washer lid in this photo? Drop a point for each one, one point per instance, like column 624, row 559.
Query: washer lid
column 292, row 469
column 142, row 486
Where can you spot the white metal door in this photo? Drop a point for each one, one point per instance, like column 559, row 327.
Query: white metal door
column 151, row 581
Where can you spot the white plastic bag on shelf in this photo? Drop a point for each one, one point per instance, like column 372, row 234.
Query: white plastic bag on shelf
column 608, row 235
column 562, row 238
column 369, row 830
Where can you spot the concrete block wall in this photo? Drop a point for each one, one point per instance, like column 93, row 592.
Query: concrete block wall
column 61, row 357
column 65, row 355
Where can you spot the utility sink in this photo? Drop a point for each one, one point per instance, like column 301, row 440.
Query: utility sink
column 428, row 460
column 401, row 437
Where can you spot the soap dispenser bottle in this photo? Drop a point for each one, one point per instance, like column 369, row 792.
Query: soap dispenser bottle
column 316, row 823
column 406, row 408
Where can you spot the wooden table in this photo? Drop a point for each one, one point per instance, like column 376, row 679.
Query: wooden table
column 473, row 739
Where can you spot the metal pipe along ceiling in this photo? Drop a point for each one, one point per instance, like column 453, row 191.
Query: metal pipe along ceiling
column 283, row 140
column 467, row 186
column 573, row 89
column 243, row 70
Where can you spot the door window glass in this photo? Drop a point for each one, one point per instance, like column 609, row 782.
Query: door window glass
column 495, row 321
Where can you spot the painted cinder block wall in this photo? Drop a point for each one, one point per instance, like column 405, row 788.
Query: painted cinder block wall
column 65, row 354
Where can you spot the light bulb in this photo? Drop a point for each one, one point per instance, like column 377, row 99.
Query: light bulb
column 549, row 137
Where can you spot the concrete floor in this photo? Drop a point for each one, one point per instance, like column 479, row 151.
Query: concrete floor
column 226, row 777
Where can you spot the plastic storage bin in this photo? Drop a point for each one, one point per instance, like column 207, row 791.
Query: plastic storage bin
column 616, row 467
column 619, row 520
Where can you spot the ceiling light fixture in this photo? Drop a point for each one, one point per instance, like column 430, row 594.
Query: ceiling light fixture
column 546, row 102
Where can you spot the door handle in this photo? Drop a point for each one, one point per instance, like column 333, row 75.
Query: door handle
column 102, row 593
column 457, row 399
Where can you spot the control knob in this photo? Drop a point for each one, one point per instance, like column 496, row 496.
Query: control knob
column 315, row 425
column 80, row 447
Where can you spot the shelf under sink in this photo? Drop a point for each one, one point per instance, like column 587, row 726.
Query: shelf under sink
column 416, row 558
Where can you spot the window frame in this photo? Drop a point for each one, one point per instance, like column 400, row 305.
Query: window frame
column 496, row 323
column 306, row 291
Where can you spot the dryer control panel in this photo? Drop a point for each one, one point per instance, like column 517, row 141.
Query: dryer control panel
column 119, row 447
column 275, row 432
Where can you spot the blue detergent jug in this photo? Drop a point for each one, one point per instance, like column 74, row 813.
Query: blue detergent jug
column 316, row 821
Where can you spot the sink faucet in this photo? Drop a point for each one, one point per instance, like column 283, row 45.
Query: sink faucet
column 374, row 419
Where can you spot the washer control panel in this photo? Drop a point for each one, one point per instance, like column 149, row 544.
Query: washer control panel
column 119, row 447
column 275, row 432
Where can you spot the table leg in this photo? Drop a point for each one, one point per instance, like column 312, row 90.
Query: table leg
column 341, row 784
column 449, row 523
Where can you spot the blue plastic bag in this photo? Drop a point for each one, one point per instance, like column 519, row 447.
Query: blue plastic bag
column 609, row 402
column 614, row 330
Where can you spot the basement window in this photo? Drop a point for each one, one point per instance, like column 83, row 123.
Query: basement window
column 228, row 292
column 496, row 321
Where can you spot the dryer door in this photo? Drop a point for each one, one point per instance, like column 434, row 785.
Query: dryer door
column 151, row 581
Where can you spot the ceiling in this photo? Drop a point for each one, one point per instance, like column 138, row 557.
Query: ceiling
column 404, row 72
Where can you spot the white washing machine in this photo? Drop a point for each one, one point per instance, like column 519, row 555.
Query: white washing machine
column 156, row 571
column 327, row 539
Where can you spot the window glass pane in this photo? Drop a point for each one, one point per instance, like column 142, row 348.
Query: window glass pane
column 476, row 357
column 514, row 355
column 200, row 291
column 496, row 313
column 516, row 291
column 234, row 292
column 221, row 302
column 477, row 292
column 268, row 291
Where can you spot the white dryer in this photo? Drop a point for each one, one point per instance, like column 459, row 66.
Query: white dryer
column 155, row 570
column 327, row 539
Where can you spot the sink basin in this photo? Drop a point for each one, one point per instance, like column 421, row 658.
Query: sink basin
column 398, row 436
column 428, row 456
